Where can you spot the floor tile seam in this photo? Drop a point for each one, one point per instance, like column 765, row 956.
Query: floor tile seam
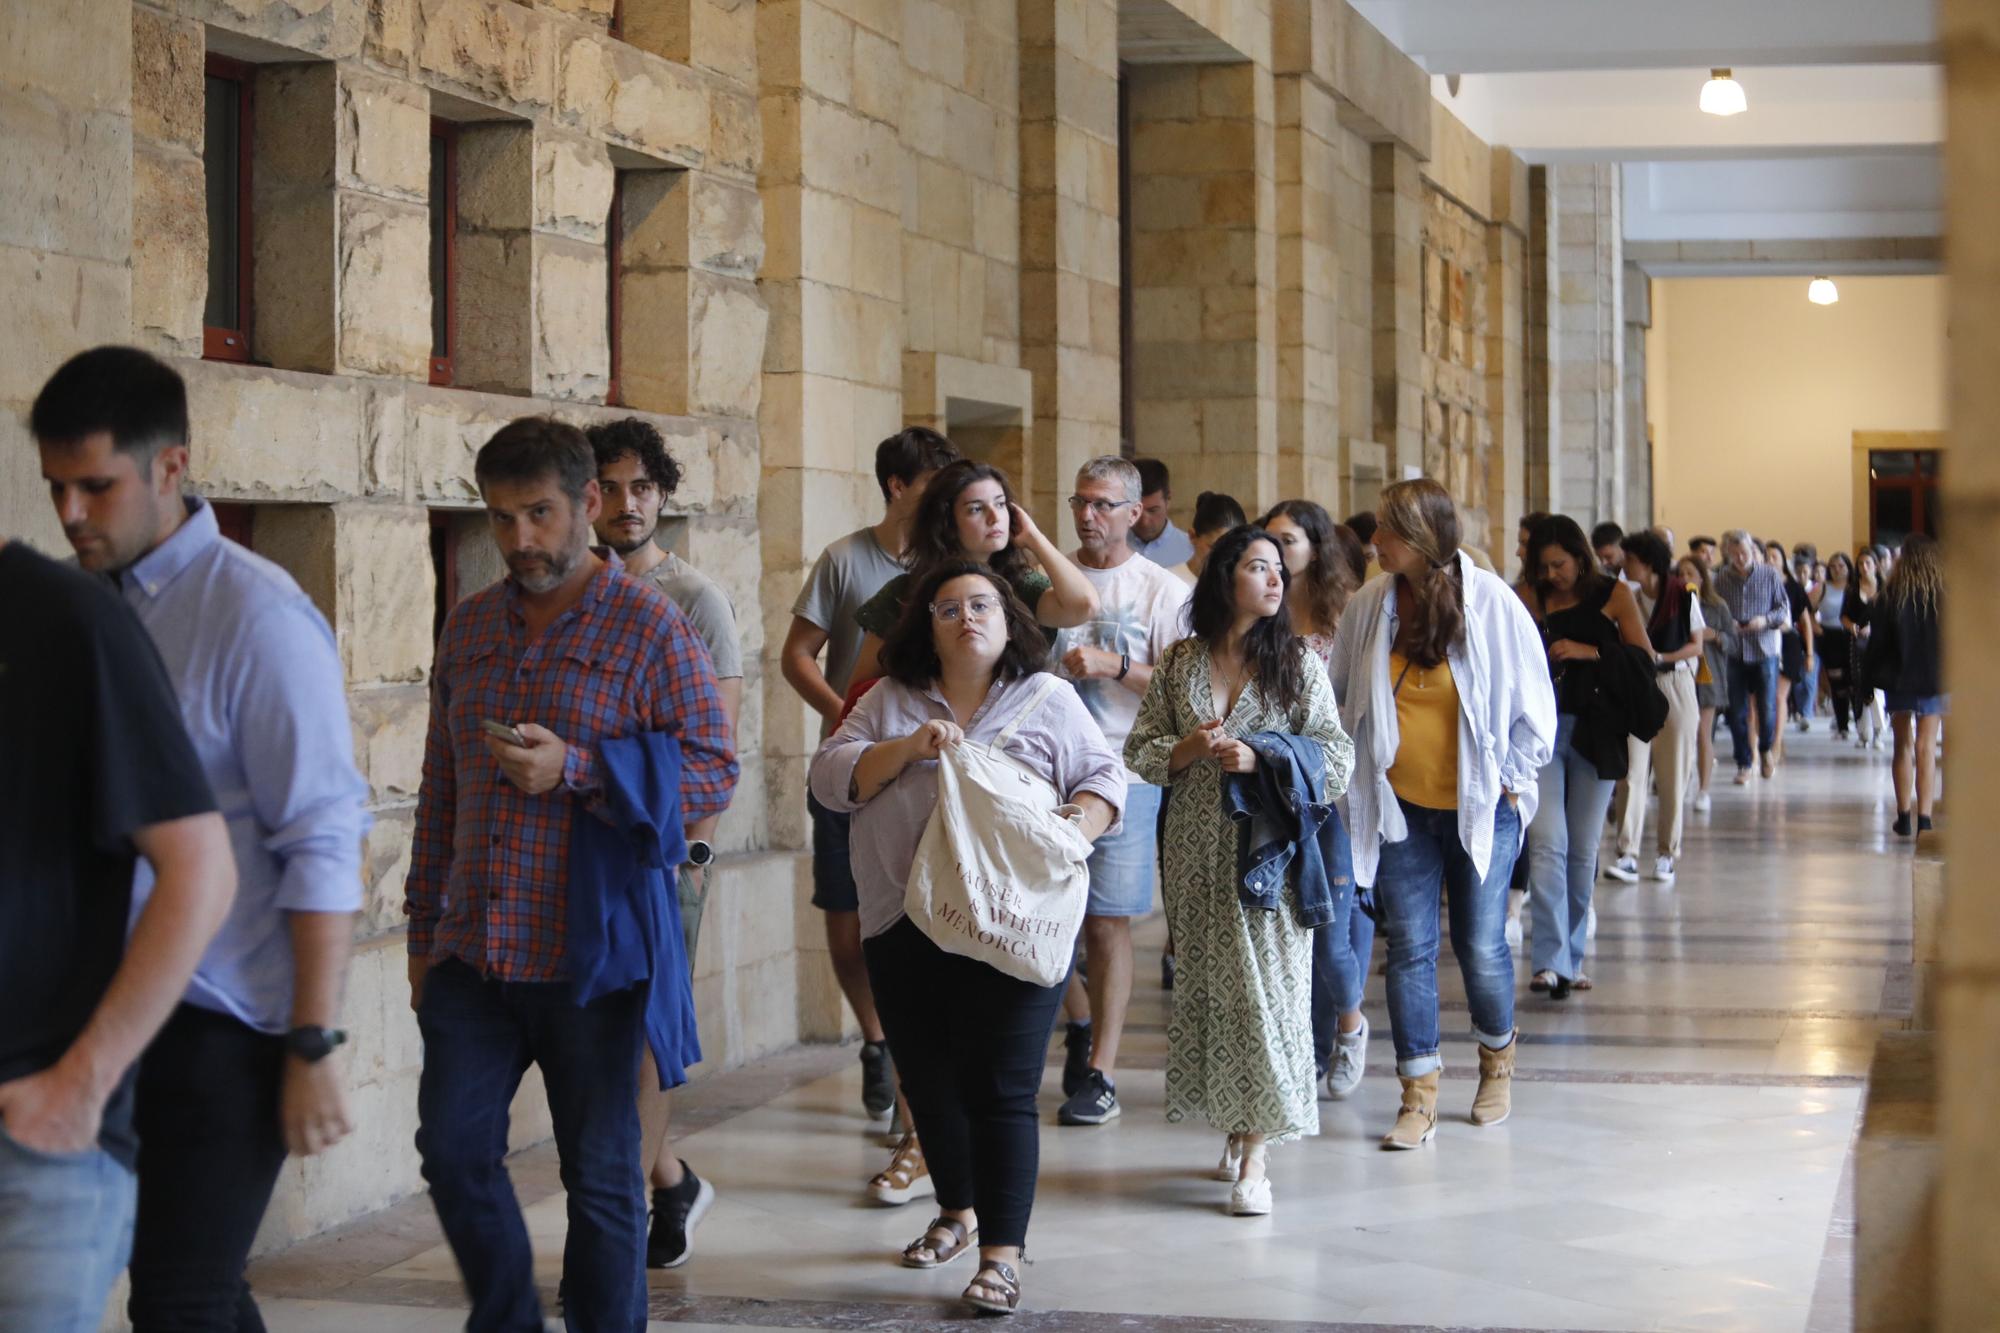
column 754, row 1312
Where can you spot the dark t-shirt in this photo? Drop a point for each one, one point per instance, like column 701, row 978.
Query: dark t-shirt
column 91, row 751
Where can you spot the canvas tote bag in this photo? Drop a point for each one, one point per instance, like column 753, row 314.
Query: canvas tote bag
column 999, row 876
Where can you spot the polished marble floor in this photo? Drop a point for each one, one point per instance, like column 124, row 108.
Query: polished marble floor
column 1678, row 1156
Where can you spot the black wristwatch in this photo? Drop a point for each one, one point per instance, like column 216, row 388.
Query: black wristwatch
column 313, row 1044
column 700, row 853
column 1124, row 664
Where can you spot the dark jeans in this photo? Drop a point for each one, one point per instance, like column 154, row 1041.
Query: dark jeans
column 1834, row 647
column 1743, row 678
column 210, row 1147
column 969, row 1044
column 480, row 1036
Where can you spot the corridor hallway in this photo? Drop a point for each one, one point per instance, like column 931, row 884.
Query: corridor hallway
column 1678, row 1157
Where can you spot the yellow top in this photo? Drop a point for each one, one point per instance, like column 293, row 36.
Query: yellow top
column 1426, row 769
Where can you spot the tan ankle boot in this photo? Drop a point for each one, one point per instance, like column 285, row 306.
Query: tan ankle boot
column 1418, row 1119
column 1495, row 1099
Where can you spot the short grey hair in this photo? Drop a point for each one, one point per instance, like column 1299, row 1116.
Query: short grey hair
column 1109, row 467
column 1736, row 537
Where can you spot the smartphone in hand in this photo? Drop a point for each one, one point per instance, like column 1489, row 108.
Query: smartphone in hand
column 501, row 731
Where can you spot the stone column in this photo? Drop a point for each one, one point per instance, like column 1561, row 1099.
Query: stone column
column 1589, row 341
column 1311, row 461
column 1398, row 334
column 1543, row 320
column 1204, row 268
column 1070, row 309
column 1506, row 369
column 65, row 221
column 1968, row 1215
column 1637, row 511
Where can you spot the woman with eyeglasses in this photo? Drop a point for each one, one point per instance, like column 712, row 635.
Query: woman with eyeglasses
column 1326, row 564
column 969, row 1042
column 1239, row 1038
column 968, row 513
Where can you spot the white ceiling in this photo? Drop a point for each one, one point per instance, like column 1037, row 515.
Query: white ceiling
column 1840, row 141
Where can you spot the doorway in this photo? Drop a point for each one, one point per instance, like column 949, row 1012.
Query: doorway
column 1902, row 494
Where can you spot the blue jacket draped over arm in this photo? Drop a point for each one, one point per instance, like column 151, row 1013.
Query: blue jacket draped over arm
column 1285, row 829
column 624, row 925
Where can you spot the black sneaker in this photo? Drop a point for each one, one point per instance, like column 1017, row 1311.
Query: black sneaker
column 676, row 1213
column 878, row 1079
column 1076, row 1056
column 1094, row 1103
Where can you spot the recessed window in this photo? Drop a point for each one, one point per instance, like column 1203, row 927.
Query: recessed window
column 226, row 134
column 236, row 521
column 444, row 228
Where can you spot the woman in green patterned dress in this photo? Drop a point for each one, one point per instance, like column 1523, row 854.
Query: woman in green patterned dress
column 1240, row 1043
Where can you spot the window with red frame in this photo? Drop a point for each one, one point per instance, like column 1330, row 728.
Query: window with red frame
column 236, row 521
column 226, row 139
column 444, row 258
column 614, row 244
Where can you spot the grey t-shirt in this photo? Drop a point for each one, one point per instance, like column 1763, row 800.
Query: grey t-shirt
column 707, row 609
column 846, row 575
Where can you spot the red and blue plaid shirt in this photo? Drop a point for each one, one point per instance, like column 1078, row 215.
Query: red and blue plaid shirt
column 489, row 870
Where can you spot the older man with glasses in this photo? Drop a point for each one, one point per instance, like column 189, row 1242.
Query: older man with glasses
column 1110, row 657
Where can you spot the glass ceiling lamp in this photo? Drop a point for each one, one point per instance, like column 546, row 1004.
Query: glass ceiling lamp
column 1723, row 95
column 1822, row 292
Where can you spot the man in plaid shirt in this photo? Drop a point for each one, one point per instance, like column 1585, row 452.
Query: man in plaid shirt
column 568, row 651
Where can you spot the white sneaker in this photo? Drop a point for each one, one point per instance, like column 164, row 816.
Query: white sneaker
column 1251, row 1198
column 1663, row 869
column 1590, row 921
column 1701, row 802
column 1625, row 868
column 1350, row 1059
column 1513, row 931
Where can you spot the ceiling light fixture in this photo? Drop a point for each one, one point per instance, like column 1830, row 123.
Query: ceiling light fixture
column 1722, row 95
column 1822, row 292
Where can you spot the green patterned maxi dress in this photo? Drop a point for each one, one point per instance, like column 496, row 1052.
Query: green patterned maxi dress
column 1239, row 1041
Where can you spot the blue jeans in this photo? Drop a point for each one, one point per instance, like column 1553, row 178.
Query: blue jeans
column 1562, row 853
column 480, row 1036
column 1341, row 954
column 65, row 1233
column 1743, row 678
column 1406, row 894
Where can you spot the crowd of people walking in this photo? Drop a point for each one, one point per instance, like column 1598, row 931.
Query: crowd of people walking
column 1306, row 733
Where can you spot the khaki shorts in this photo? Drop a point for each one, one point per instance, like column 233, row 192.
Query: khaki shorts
column 692, row 884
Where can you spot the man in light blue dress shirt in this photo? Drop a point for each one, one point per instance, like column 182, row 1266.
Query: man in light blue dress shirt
column 241, row 1073
column 1154, row 535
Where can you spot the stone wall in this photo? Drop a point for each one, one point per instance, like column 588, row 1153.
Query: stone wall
column 1458, row 430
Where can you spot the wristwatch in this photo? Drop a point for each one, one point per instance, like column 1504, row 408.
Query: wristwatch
column 313, row 1044
column 700, row 853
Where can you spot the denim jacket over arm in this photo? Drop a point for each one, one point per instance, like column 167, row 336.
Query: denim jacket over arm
column 623, row 923
column 1284, row 829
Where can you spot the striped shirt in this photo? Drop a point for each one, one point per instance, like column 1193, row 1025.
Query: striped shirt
column 1759, row 593
column 489, row 868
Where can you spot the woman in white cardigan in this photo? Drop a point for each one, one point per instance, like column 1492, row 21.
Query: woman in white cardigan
column 1445, row 689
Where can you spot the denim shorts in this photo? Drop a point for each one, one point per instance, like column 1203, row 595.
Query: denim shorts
column 1923, row 705
column 833, row 871
column 1124, row 865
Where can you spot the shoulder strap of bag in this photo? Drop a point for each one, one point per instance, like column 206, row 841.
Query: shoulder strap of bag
column 1049, row 684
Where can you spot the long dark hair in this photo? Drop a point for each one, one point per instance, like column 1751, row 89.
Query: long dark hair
column 1562, row 530
column 1421, row 513
column 1330, row 579
column 1274, row 653
column 910, row 655
column 934, row 529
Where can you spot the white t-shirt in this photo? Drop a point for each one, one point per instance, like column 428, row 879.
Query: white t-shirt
column 1140, row 610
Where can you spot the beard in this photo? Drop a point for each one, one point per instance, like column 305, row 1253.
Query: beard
column 540, row 571
column 626, row 540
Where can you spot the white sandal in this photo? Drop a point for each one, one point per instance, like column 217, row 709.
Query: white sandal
column 1231, row 1165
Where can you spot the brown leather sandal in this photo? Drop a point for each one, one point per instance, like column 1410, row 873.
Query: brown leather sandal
column 995, row 1288
column 907, row 1177
column 926, row 1252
